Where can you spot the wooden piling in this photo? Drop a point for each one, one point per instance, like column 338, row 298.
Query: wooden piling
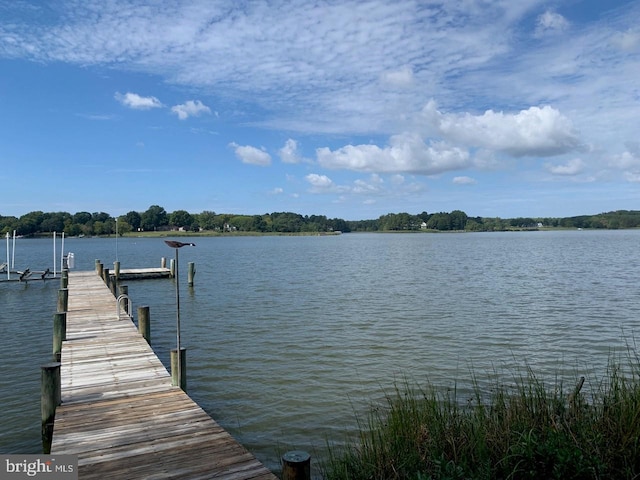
column 172, row 267
column 296, row 465
column 64, row 279
column 163, row 262
column 192, row 273
column 105, row 276
column 59, row 333
column 63, row 299
column 99, row 268
column 144, row 323
column 183, row 368
column 50, row 398
column 116, row 270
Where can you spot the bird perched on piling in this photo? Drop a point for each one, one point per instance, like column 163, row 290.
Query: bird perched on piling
column 174, row 244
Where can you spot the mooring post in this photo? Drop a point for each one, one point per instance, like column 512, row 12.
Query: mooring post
column 105, row 276
column 63, row 316
column 163, row 262
column 99, row 267
column 63, row 299
column 296, row 465
column 64, row 279
column 116, row 270
column 144, row 323
column 59, row 334
column 172, row 268
column 50, row 398
column 183, row 368
column 192, row 273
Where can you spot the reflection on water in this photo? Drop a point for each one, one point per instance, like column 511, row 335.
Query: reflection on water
column 287, row 337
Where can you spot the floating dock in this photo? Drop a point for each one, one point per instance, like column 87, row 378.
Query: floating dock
column 144, row 273
column 120, row 414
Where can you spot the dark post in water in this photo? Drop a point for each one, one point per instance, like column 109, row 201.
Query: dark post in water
column 179, row 365
column 296, row 465
column 63, row 299
column 144, row 323
column 191, row 273
column 50, row 398
column 59, row 334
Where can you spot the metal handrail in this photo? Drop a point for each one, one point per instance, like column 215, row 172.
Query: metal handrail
column 118, row 302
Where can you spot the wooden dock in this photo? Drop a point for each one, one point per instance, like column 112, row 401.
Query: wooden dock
column 144, row 273
column 119, row 413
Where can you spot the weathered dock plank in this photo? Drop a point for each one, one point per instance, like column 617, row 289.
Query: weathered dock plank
column 119, row 413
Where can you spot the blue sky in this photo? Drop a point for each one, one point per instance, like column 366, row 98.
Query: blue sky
column 345, row 109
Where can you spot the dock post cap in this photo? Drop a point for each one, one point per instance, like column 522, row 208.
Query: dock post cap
column 296, row 456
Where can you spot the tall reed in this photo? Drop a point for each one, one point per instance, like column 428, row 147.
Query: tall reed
column 527, row 430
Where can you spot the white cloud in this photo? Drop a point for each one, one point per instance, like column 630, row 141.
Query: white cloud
column 329, row 64
column 137, row 102
column 320, row 183
column 373, row 185
column 401, row 78
column 550, row 22
column 251, row 155
column 464, row 180
column 628, row 40
column 572, row 167
column 277, row 191
column 289, row 152
column 190, row 108
column 368, row 68
column 406, row 153
column 629, row 159
column 532, row 132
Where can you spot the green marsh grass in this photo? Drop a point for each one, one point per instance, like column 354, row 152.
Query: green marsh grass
column 527, row 430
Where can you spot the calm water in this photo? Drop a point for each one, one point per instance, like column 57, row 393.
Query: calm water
column 288, row 337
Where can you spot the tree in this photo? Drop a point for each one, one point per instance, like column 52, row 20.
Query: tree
column 82, row 217
column 123, row 226
column 100, row 216
column 439, row 221
column 458, row 220
column 54, row 222
column 8, row 224
column 29, row 223
column 133, row 218
column 243, row 223
column 153, row 218
column 287, row 222
column 207, row 220
column 180, row 219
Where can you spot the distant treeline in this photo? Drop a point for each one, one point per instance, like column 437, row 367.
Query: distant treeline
column 156, row 218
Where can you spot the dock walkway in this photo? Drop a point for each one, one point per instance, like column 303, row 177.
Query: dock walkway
column 120, row 414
